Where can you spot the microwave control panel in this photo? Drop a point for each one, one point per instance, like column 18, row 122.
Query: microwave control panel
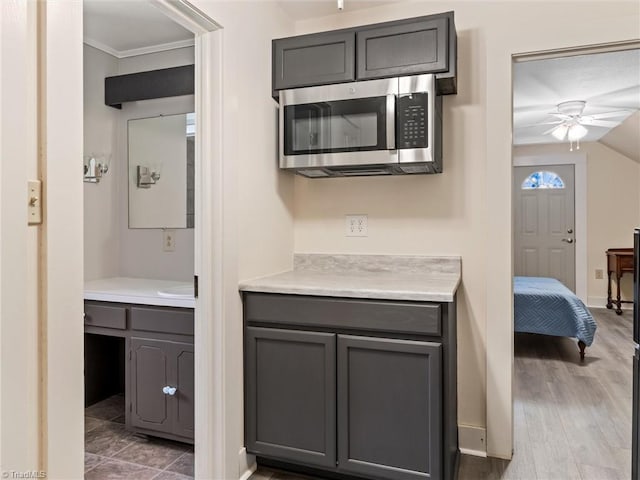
column 411, row 125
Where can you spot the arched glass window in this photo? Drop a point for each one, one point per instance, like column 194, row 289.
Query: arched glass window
column 542, row 179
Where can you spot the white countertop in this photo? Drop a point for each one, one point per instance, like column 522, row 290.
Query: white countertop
column 428, row 279
column 141, row 291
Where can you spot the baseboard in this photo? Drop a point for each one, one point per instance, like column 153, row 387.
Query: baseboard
column 246, row 464
column 601, row 302
column 472, row 440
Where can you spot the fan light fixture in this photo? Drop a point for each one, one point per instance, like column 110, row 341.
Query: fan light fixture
column 571, row 128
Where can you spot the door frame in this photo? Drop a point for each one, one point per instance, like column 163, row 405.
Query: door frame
column 61, row 397
column 579, row 161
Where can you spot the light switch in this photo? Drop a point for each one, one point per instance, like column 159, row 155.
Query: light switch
column 34, row 199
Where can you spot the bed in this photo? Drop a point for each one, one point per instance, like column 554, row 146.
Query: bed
column 546, row 306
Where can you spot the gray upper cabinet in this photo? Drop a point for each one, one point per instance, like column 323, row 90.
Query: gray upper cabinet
column 389, row 395
column 290, row 395
column 313, row 59
column 404, row 49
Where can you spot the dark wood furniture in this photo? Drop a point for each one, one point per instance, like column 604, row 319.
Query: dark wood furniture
column 147, row 351
column 410, row 46
column 351, row 388
column 619, row 262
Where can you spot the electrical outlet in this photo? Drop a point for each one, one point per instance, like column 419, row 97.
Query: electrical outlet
column 357, row 226
column 599, row 274
column 168, row 240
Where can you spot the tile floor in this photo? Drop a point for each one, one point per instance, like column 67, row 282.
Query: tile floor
column 111, row 452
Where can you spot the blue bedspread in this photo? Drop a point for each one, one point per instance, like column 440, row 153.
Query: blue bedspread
column 546, row 306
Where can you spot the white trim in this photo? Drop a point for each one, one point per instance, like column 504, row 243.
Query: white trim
column 475, row 453
column 244, row 466
column 601, row 302
column 163, row 47
column 472, row 440
column 210, row 433
column 579, row 160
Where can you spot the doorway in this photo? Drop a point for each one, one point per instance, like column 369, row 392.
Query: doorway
column 544, row 222
column 560, row 232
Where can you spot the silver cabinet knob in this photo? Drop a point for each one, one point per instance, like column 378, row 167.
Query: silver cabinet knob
column 569, row 230
column 568, row 240
column 169, row 390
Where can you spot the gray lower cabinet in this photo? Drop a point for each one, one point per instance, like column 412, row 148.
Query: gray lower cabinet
column 328, row 391
column 155, row 355
column 389, row 412
column 162, row 386
column 291, row 385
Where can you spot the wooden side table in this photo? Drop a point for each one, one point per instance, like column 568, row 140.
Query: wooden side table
column 619, row 262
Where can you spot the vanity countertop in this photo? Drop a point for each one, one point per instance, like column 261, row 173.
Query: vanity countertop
column 166, row 293
column 390, row 277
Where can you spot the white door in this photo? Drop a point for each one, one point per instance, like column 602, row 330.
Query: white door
column 544, row 223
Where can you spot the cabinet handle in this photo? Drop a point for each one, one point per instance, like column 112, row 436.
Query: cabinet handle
column 169, row 390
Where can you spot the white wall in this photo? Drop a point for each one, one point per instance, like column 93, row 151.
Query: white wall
column 467, row 209
column 613, row 200
column 111, row 247
column 101, row 224
column 258, row 199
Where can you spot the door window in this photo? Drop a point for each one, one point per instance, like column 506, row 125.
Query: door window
column 542, row 180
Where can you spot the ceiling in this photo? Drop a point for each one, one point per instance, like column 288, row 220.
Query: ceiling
column 606, row 81
column 305, row 9
column 128, row 28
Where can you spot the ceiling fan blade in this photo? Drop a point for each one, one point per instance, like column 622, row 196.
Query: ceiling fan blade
column 561, row 115
column 597, row 116
column 546, row 132
column 539, row 124
column 603, row 123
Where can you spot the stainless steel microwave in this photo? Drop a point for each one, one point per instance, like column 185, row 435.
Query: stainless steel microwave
column 391, row 126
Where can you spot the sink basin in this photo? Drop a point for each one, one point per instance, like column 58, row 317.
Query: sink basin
column 178, row 291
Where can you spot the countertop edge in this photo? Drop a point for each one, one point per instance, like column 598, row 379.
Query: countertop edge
column 352, row 293
column 140, row 299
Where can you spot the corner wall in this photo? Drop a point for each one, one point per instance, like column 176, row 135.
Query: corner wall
column 467, row 209
column 111, row 247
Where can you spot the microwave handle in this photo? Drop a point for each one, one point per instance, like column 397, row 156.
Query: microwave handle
column 391, row 122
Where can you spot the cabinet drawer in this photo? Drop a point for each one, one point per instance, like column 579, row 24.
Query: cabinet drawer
column 107, row 316
column 344, row 313
column 164, row 320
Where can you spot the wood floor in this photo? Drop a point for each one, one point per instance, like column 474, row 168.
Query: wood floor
column 572, row 419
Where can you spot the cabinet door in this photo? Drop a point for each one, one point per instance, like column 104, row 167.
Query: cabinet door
column 405, row 49
column 290, row 395
column 150, row 367
column 183, row 406
column 313, row 60
column 389, row 408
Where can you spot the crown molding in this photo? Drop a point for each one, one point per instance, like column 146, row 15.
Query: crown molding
column 139, row 51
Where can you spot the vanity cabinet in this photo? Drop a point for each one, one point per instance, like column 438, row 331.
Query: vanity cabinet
column 404, row 47
column 158, row 365
column 162, row 393
column 356, row 387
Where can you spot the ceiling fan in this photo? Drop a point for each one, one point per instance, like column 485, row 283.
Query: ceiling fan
column 572, row 124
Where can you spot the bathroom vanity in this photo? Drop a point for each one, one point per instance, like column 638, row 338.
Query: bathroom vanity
column 350, row 367
column 139, row 340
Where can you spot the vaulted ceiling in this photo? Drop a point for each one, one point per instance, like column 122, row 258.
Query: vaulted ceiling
column 608, row 82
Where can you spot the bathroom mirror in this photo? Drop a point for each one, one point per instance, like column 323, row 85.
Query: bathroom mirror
column 161, row 171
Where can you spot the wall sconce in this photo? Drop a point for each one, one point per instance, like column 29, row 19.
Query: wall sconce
column 95, row 166
column 146, row 177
